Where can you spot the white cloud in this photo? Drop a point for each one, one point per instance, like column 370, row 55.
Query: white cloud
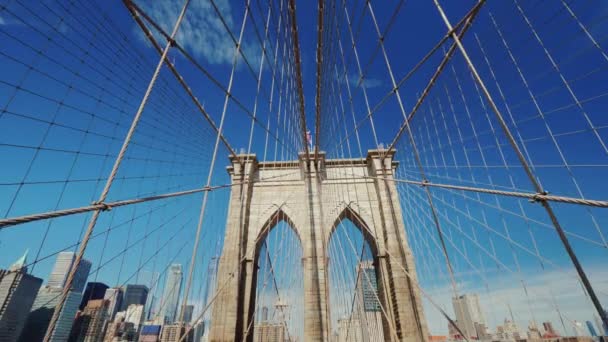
column 353, row 81
column 201, row 32
column 367, row 83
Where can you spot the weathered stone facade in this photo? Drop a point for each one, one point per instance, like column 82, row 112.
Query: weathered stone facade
column 313, row 199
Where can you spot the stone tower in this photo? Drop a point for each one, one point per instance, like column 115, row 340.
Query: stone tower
column 313, row 199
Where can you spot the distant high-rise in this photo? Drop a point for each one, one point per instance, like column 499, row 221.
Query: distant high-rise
column 171, row 294
column 468, row 312
column 17, row 293
column 601, row 327
column 591, row 329
column 48, row 297
column 188, row 313
column 92, row 291
column 368, row 303
column 119, row 330
column 61, row 270
column 90, row 324
column 367, row 287
column 114, row 297
column 134, row 294
column 548, row 326
column 42, row 311
column 209, row 290
column 172, row 333
column 135, row 314
column 150, row 333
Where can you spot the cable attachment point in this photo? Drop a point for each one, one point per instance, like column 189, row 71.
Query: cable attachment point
column 424, row 182
column 538, row 197
column 104, row 206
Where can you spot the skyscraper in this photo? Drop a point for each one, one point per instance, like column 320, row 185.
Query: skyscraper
column 134, row 294
column 591, row 329
column 548, row 326
column 209, row 290
column 42, row 311
column 92, row 291
column 135, row 314
column 368, row 303
column 48, row 297
column 367, row 287
column 468, row 312
column 17, row 293
column 114, row 297
column 90, row 324
column 188, row 313
column 61, row 270
column 171, row 294
column 172, row 333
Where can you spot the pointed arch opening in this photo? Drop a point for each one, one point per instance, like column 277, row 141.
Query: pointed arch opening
column 277, row 306
column 356, row 311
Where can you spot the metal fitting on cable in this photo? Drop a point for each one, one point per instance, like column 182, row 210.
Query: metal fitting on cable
column 424, row 182
column 539, row 197
column 104, row 206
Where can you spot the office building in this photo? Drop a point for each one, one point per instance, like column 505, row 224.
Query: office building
column 48, row 297
column 368, row 304
column 61, row 270
column 367, row 287
column 591, row 329
column 549, row 330
column 468, row 312
column 533, row 332
column 135, row 314
column 198, row 330
column 119, row 330
column 150, row 333
column 170, row 299
column 508, row 331
column 173, row 333
column 89, row 325
column 92, row 291
column 134, row 294
column 114, row 297
column 17, row 294
column 188, row 313
column 42, row 311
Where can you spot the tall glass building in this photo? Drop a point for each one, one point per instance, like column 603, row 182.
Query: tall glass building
column 170, row 299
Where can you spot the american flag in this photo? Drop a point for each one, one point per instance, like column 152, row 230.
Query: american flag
column 308, row 137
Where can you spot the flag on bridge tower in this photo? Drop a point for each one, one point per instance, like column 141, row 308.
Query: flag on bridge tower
column 309, row 138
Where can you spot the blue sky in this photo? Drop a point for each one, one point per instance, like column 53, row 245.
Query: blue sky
column 72, row 75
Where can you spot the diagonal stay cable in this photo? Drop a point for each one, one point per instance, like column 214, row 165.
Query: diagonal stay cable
column 202, row 69
column 106, row 190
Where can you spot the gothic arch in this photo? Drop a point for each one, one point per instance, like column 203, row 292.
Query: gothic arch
column 348, row 212
column 273, row 220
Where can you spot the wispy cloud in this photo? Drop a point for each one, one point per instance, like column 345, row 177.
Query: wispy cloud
column 202, row 31
column 354, row 81
column 367, row 83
